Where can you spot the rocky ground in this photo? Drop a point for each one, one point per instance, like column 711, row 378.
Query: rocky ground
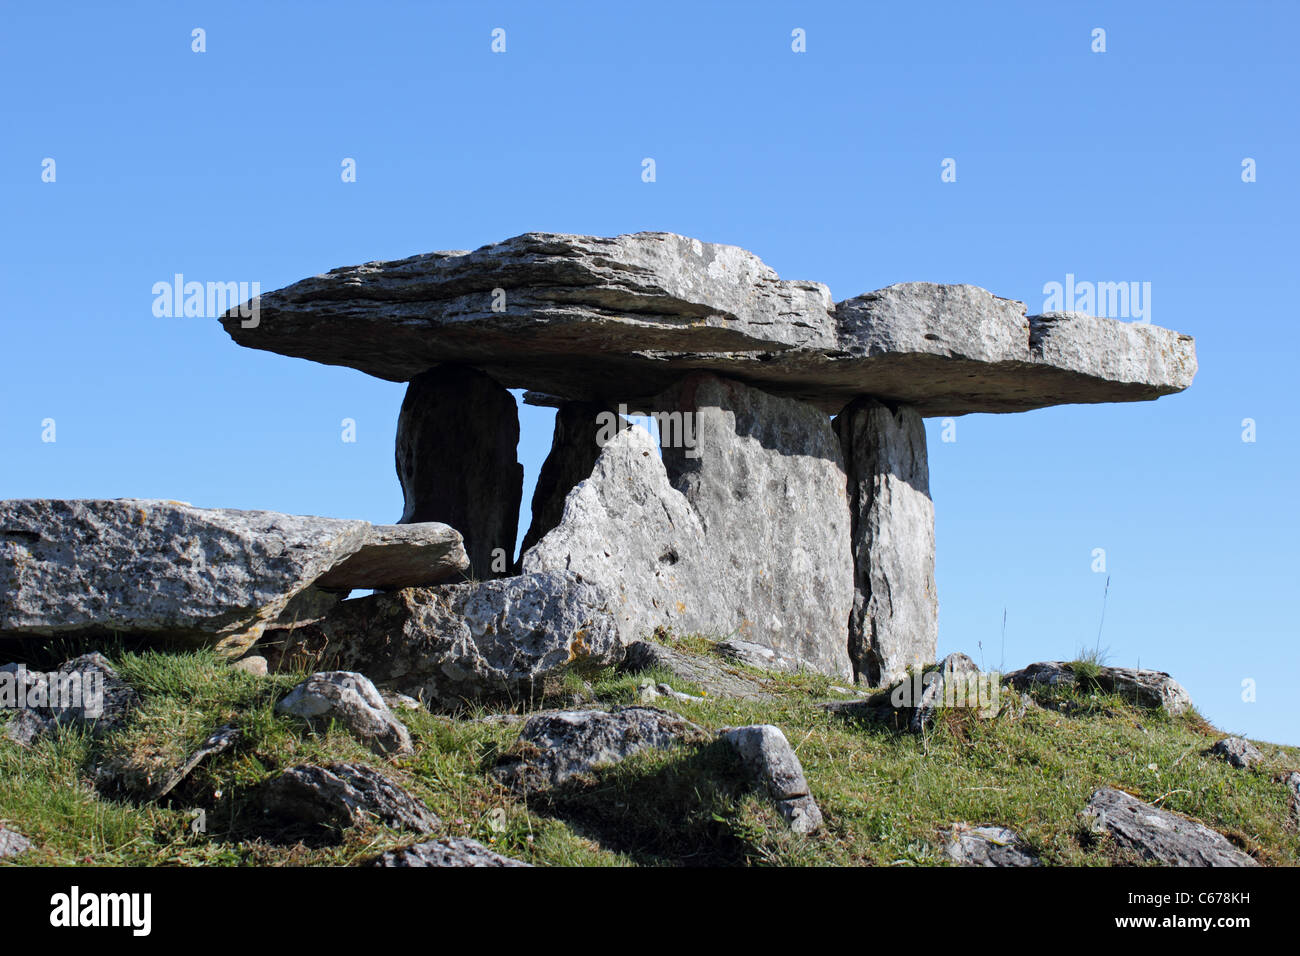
column 691, row 753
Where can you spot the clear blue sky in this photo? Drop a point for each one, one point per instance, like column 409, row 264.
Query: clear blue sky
column 1115, row 166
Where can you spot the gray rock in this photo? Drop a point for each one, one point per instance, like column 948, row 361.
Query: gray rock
column 912, row 703
column 894, row 624
column 1241, row 753
column 1292, row 781
column 987, row 846
column 451, row 851
column 713, row 676
column 766, row 478
column 744, row 534
column 400, row 556
column 308, row 605
column 1145, row 688
column 85, row 692
column 558, row 747
column 956, row 673
column 27, row 726
column 1159, row 835
column 759, row 656
column 397, row 701
column 167, row 569
column 353, row 701
column 508, row 638
column 219, row 741
column 572, row 458
column 770, row 759
column 12, row 843
column 254, row 664
column 594, row 319
column 457, row 436
column 343, row 795
column 628, row 530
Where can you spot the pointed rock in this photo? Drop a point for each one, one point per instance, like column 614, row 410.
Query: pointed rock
column 353, row 701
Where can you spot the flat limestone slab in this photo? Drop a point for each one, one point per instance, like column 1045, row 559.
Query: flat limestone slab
column 200, row 575
column 584, row 318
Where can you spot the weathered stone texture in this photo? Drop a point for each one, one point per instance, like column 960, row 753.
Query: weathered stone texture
column 506, row 638
column 894, row 624
column 596, row 319
column 457, row 436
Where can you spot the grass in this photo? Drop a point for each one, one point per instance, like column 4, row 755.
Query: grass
column 888, row 797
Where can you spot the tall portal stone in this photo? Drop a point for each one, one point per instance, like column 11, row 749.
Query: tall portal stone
column 457, row 436
column 741, row 529
column 895, row 619
column 573, row 454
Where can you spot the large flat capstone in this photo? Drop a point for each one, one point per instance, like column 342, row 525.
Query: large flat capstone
column 212, row 576
column 588, row 318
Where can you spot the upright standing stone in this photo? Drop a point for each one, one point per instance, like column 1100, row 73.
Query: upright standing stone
column 766, row 477
column 895, row 619
column 574, row 450
column 742, row 529
column 457, row 437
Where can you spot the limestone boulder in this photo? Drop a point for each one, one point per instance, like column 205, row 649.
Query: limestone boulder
column 1237, row 751
column 711, row 674
column 86, row 693
column 989, row 846
column 343, row 795
column 556, row 748
column 503, row 639
column 1158, row 835
column 769, row 759
column 1145, row 688
column 165, row 569
column 626, row 529
column 353, row 701
column 766, row 477
column 400, row 556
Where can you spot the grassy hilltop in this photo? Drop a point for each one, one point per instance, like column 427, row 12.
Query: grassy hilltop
column 888, row 797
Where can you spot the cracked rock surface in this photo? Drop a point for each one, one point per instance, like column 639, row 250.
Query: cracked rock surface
column 588, row 318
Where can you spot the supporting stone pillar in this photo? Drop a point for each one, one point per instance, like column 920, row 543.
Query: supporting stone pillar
column 573, row 454
column 766, row 477
column 895, row 619
column 457, row 437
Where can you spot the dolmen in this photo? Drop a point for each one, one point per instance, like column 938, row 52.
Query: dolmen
column 784, row 500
